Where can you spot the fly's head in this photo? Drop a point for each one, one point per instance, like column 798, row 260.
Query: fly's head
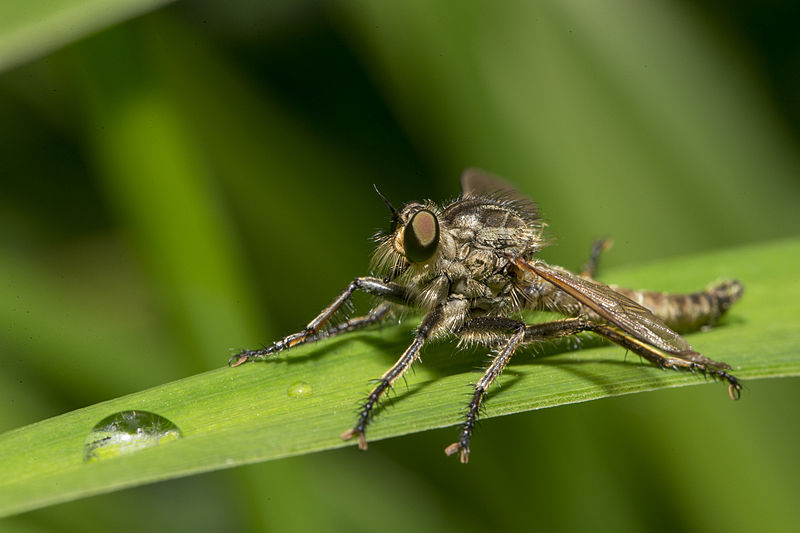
column 461, row 247
column 417, row 241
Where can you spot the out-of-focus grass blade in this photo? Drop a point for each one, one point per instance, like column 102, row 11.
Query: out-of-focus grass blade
column 291, row 189
column 32, row 28
column 59, row 331
column 165, row 193
column 235, row 416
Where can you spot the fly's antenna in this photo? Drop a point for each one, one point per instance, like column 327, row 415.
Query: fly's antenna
column 395, row 214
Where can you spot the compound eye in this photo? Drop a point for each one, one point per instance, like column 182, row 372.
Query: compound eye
column 421, row 236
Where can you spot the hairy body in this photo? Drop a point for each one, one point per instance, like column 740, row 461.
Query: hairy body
column 471, row 267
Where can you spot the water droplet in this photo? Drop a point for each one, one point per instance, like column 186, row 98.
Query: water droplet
column 300, row 389
column 126, row 432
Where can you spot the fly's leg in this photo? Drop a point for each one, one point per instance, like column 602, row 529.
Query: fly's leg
column 688, row 361
column 488, row 330
column 375, row 315
column 704, row 365
column 693, row 361
column 313, row 331
column 451, row 311
column 598, row 247
column 385, row 382
column 481, row 387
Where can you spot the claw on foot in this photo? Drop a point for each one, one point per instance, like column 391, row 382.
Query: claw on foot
column 238, row 359
column 735, row 391
column 734, row 387
column 455, row 447
column 350, row 433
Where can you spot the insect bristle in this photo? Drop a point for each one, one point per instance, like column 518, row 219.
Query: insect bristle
column 378, row 235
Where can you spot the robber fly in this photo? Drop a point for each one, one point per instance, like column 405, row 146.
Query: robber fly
column 471, row 267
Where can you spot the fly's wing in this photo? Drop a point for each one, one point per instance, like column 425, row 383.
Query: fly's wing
column 476, row 183
column 632, row 318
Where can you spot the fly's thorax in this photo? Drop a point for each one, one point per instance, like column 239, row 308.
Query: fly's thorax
column 491, row 224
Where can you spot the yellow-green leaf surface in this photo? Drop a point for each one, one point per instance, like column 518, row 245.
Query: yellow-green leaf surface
column 31, row 28
column 248, row 414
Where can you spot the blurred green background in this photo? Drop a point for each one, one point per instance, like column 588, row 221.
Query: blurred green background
column 200, row 178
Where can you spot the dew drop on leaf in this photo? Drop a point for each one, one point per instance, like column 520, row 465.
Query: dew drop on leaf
column 299, row 389
column 127, row 432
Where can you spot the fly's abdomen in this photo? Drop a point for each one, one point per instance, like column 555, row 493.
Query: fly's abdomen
column 688, row 312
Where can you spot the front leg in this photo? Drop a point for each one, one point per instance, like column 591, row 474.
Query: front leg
column 391, row 292
column 445, row 316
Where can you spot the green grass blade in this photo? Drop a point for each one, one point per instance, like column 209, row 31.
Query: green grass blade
column 33, row 28
column 235, row 416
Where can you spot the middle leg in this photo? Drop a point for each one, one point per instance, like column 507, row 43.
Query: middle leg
column 490, row 330
column 481, row 387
